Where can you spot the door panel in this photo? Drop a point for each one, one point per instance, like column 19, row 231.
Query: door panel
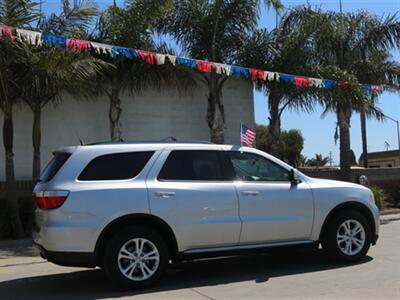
column 201, row 213
column 275, row 211
column 272, row 209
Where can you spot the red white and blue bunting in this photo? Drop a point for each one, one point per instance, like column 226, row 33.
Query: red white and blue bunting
column 153, row 58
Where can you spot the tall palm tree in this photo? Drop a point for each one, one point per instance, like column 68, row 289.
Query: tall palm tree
column 213, row 31
column 17, row 13
column 348, row 41
column 49, row 72
column 377, row 68
column 9, row 94
column 133, row 27
column 287, row 49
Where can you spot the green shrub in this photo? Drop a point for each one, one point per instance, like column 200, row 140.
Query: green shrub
column 379, row 195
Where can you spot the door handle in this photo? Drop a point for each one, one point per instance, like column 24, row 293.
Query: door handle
column 250, row 193
column 165, row 194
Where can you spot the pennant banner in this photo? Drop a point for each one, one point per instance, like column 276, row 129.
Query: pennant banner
column 153, row 58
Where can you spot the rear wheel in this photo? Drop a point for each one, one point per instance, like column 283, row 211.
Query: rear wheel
column 135, row 257
column 348, row 236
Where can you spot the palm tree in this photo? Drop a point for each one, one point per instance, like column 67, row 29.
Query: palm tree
column 133, row 27
column 347, row 45
column 214, row 31
column 17, row 13
column 9, row 95
column 49, row 72
column 378, row 68
column 318, row 161
column 287, row 49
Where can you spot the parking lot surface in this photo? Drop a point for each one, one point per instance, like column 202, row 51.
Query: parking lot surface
column 293, row 275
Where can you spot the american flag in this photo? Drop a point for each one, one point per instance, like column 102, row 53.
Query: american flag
column 247, row 135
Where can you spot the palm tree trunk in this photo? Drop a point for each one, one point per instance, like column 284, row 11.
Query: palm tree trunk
column 114, row 113
column 343, row 118
column 215, row 111
column 36, row 141
column 274, row 127
column 12, row 201
column 364, row 138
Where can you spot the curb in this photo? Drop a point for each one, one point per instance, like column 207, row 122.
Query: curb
column 392, row 211
column 389, row 218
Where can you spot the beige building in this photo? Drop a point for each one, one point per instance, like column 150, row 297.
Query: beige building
column 153, row 115
column 383, row 159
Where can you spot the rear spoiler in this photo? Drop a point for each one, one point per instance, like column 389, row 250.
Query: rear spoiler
column 70, row 150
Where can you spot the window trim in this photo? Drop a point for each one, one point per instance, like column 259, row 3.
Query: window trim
column 258, row 181
column 115, row 180
column 219, row 157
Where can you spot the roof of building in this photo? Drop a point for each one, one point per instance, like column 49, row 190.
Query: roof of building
column 381, row 154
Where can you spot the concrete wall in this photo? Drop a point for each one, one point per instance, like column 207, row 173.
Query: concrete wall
column 153, row 115
column 375, row 175
column 386, row 178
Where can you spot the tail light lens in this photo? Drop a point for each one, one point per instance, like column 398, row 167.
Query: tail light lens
column 51, row 199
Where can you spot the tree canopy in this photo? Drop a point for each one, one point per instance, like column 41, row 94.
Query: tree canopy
column 290, row 145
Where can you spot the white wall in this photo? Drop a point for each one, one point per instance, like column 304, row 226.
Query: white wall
column 153, row 115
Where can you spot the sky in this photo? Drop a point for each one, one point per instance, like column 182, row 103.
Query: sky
column 318, row 132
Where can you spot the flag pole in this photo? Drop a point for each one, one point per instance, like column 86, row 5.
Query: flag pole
column 240, row 134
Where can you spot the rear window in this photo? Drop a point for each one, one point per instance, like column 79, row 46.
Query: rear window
column 54, row 166
column 116, row 166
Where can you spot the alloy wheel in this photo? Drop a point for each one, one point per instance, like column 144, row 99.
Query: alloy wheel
column 138, row 259
column 350, row 237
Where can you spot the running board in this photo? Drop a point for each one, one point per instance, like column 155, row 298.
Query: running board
column 246, row 247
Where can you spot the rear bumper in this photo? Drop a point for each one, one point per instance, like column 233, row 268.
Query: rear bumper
column 68, row 259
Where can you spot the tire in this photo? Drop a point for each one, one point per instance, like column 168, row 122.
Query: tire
column 344, row 245
column 127, row 266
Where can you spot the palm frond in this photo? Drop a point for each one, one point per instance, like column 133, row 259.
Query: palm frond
column 275, row 4
column 19, row 13
column 73, row 20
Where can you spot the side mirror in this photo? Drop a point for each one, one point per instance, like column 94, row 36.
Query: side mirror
column 292, row 177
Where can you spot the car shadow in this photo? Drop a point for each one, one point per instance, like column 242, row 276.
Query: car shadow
column 93, row 284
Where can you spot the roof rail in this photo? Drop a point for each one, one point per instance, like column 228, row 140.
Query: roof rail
column 148, row 142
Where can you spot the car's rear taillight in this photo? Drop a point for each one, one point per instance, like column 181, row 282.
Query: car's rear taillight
column 51, row 199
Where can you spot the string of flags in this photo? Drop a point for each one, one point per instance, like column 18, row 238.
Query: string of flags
column 153, row 58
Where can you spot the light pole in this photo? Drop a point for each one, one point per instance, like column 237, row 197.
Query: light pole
column 398, row 130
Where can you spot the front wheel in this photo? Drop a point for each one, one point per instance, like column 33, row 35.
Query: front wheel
column 348, row 236
column 135, row 257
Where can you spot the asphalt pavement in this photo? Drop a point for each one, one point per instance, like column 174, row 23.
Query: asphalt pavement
column 287, row 275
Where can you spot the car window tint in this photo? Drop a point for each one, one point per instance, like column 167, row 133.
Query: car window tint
column 54, row 166
column 116, row 166
column 253, row 167
column 195, row 165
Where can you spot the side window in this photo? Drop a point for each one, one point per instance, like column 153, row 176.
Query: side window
column 253, row 167
column 195, row 165
column 116, row 166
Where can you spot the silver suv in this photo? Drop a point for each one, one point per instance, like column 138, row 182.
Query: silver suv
column 132, row 208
